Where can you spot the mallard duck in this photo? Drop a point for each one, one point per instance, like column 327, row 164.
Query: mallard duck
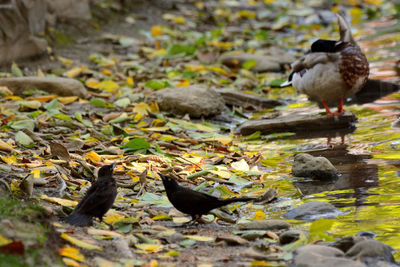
column 332, row 71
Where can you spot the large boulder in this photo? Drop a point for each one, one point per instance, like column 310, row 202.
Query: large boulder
column 52, row 85
column 195, row 100
column 21, row 23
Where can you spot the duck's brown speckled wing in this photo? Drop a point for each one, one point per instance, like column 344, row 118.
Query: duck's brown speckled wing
column 353, row 67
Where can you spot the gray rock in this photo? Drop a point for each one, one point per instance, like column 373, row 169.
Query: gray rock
column 313, row 210
column 195, row 100
column 345, row 243
column 317, row 256
column 265, row 225
column 232, row 240
column 21, row 22
column 298, row 124
column 371, row 248
column 53, row 85
column 69, row 10
column 237, row 98
column 290, row 236
column 320, row 168
column 272, row 60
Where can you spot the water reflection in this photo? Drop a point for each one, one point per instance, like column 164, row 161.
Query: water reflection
column 355, row 172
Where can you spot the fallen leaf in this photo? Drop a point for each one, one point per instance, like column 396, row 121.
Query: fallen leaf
column 60, row 201
column 151, row 248
column 80, row 243
column 72, row 253
column 201, row 238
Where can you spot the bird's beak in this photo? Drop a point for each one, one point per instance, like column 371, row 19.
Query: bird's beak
column 163, row 177
column 113, row 165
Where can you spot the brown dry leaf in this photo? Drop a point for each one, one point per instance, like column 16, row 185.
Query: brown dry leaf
column 59, row 150
column 5, row 147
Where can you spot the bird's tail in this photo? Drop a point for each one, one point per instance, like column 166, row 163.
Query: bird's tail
column 79, row 219
column 237, row 199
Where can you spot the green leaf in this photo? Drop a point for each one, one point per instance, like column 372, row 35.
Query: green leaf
column 276, row 83
column 98, row 102
column 23, row 124
column 78, row 117
column 16, row 70
column 187, row 243
column 249, row 64
column 136, row 144
column 180, row 50
column 52, row 107
column 62, row 116
column 254, row 136
column 23, row 139
column 157, row 84
column 123, row 102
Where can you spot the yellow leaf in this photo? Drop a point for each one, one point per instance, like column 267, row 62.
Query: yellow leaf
column 159, row 52
column 71, row 262
column 72, row 253
column 67, row 99
column 93, row 156
column 105, row 263
column 40, row 73
column 79, row 243
column 156, row 31
column 356, row 15
column 153, row 263
column 151, row 248
column 225, row 140
column 179, row 20
column 374, row 2
column 5, row 91
column 108, row 85
column 94, row 231
column 4, row 241
column 113, row 218
column 13, row 97
column 223, row 174
column 129, row 80
column 42, row 98
column 92, row 83
column 141, row 108
column 65, row 61
column 106, row 72
column 259, row 215
column 180, row 219
column 154, row 107
column 36, row 173
column 155, row 129
column 183, row 83
column 240, row 165
column 257, row 262
column 5, row 146
column 60, row 201
column 75, row 72
column 9, row 160
column 201, row 238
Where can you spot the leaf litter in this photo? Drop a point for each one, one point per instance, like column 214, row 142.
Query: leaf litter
column 63, row 140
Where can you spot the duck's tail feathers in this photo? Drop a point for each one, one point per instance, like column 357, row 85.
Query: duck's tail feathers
column 237, row 199
column 286, row 84
column 79, row 219
column 345, row 30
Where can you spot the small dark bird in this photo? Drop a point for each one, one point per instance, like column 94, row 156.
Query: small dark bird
column 98, row 199
column 192, row 202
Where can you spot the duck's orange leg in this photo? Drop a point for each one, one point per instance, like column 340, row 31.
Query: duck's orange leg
column 338, row 112
column 340, row 109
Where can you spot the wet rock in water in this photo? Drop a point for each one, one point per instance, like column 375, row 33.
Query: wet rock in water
column 320, row 168
column 290, row 236
column 317, row 256
column 237, row 98
column 370, row 251
column 313, row 210
column 195, row 100
column 272, row 60
column 265, row 225
column 232, row 240
column 52, row 85
column 299, row 124
column 345, row 243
